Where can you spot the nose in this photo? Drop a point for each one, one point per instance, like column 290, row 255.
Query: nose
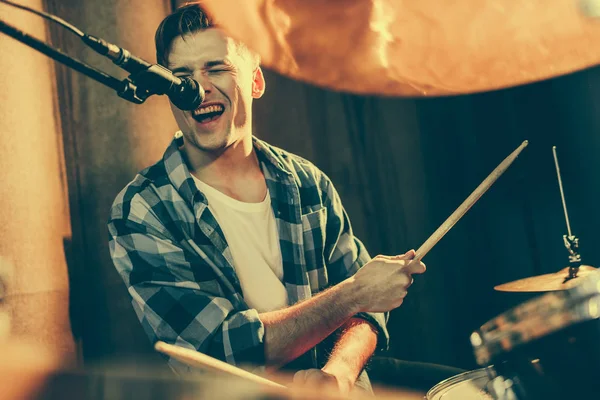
column 204, row 81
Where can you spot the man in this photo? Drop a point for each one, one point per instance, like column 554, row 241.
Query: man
column 241, row 250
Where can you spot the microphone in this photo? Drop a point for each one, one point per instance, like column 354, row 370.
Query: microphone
column 185, row 93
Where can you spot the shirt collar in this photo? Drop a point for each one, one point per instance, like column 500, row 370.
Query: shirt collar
column 181, row 178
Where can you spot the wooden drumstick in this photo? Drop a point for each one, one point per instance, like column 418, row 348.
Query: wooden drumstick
column 196, row 359
column 468, row 203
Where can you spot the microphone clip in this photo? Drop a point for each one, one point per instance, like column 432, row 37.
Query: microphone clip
column 147, row 82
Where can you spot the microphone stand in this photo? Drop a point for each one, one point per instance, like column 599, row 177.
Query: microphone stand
column 131, row 89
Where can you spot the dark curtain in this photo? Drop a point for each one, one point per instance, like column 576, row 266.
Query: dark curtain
column 402, row 166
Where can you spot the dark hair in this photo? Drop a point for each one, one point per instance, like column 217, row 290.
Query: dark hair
column 185, row 20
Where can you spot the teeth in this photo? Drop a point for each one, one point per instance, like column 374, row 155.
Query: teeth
column 208, row 109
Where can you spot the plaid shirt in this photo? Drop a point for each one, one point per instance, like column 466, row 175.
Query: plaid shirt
column 172, row 254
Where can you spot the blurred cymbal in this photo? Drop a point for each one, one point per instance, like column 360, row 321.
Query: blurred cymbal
column 415, row 48
column 547, row 282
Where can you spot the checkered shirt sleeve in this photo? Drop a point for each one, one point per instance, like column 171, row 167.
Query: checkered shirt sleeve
column 175, row 295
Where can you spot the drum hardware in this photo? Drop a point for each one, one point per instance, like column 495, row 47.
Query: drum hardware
column 545, row 348
column 571, row 241
column 565, row 278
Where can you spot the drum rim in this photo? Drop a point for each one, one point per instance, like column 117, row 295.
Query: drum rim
column 536, row 318
column 456, row 378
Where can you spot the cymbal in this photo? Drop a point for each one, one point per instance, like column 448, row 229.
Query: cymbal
column 547, row 282
column 415, row 48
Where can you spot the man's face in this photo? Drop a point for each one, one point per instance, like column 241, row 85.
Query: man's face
column 230, row 80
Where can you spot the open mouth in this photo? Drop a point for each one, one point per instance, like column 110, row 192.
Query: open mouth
column 208, row 113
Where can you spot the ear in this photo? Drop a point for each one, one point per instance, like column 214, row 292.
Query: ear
column 258, row 83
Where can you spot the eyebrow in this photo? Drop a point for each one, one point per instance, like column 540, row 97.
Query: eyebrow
column 207, row 65
column 217, row 63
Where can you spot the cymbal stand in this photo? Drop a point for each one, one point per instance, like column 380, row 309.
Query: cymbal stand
column 571, row 241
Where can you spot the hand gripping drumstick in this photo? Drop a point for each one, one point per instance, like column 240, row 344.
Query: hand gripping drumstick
column 196, row 359
column 468, row 203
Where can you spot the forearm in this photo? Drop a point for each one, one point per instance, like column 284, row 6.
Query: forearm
column 294, row 330
column 353, row 349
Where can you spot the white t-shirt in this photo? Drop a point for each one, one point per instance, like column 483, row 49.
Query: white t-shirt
column 251, row 233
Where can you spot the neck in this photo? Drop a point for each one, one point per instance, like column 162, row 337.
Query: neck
column 236, row 161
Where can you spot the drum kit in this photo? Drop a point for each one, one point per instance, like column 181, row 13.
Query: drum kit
column 545, row 348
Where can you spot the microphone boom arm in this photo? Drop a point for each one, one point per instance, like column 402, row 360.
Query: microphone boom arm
column 127, row 89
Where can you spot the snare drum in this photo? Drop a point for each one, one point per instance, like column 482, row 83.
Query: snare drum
column 469, row 385
column 545, row 348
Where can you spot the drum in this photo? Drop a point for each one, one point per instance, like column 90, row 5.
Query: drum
column 468, row 385
column 545, row 348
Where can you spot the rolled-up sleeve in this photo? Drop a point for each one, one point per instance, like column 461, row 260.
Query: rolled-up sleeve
column 346, row 254
column 178, row 299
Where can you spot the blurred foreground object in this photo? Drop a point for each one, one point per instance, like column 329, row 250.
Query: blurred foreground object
column 34, row 203
column 29, row 372
column 24, row 369
column 424, row 48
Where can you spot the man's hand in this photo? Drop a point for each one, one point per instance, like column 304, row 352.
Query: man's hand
column 382, row 283
column 319, row 379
